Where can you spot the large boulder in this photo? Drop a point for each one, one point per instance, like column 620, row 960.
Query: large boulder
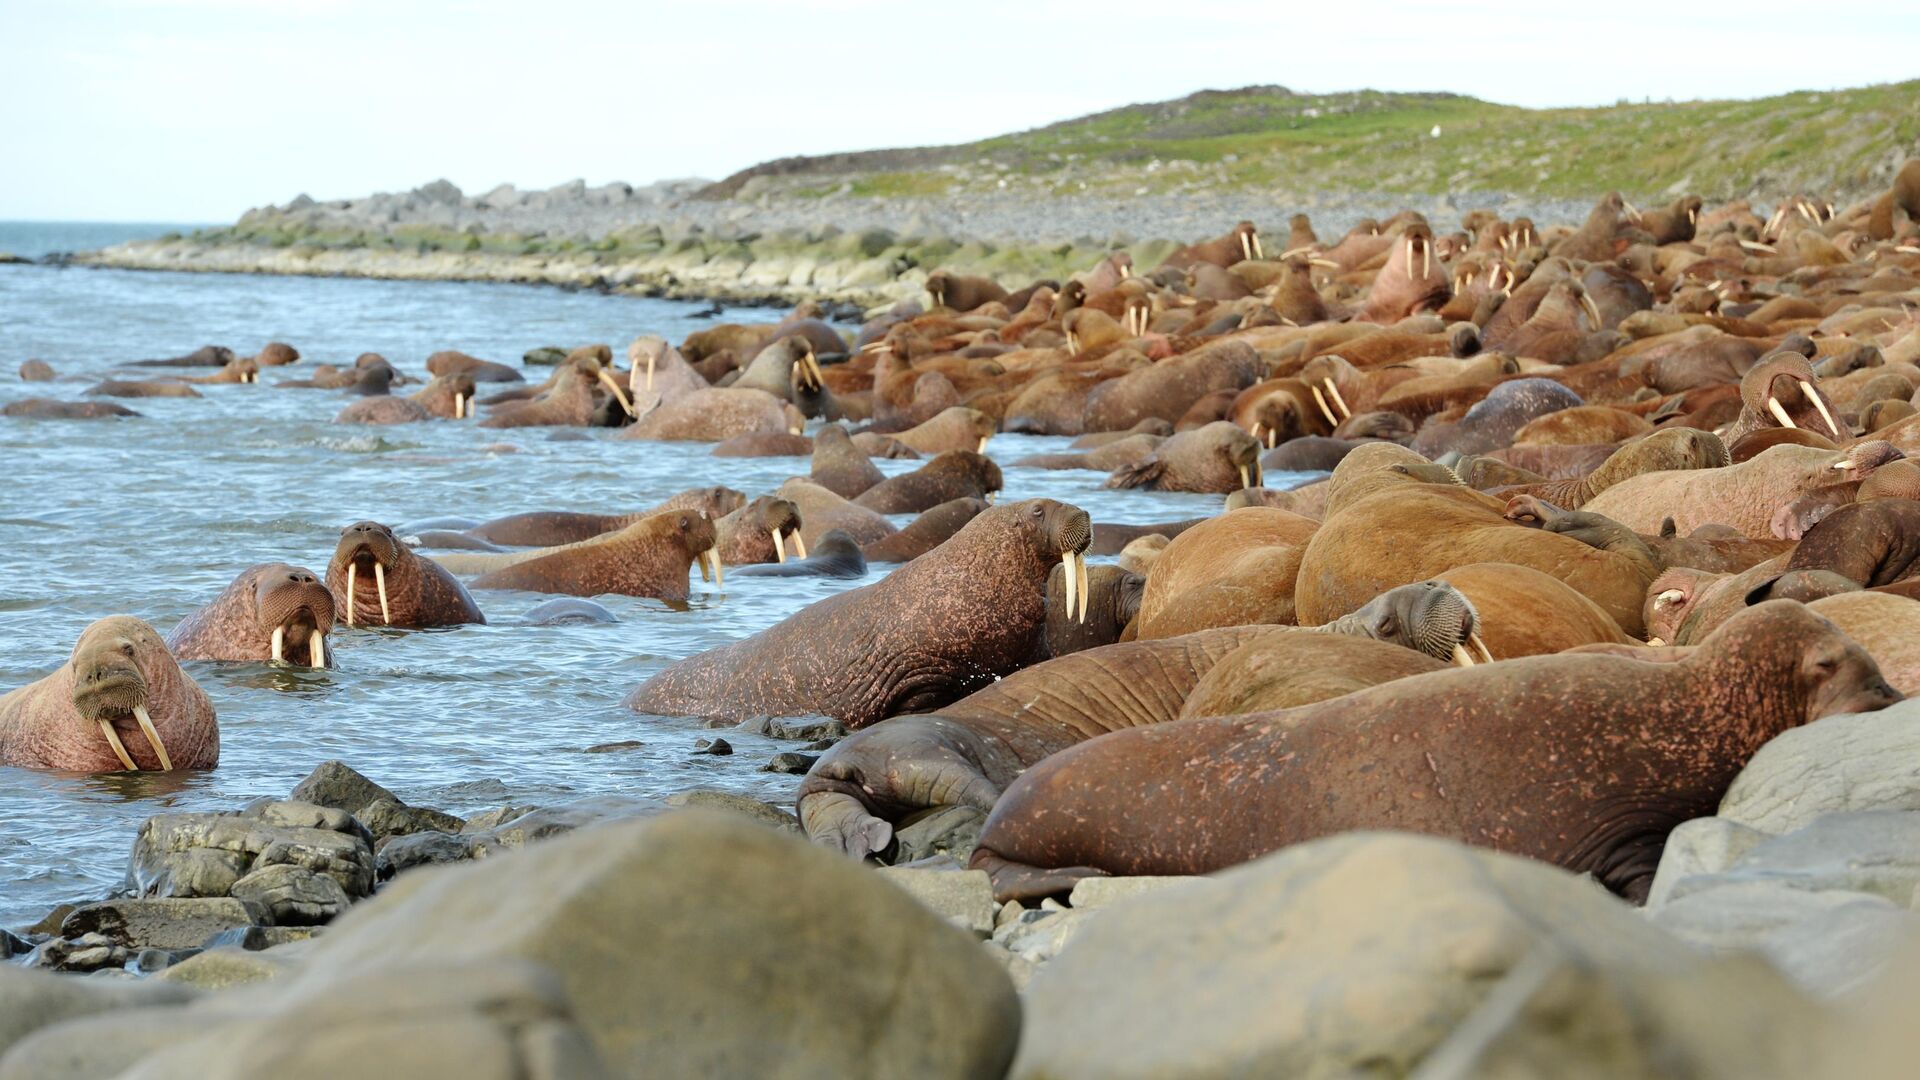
column 188, row 855
column 1869, row 761
column 1363, row 953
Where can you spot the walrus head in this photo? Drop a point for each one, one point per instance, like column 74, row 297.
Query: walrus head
column 110, row 681
column 1280, row 417
column 697, row 532
column 1381, row 424
column 1430, row 617
column 592, row 362
column 244, row 370
column 294, row 611
column 277, row 353
column 1249, row 238
column 780, row 520
column 1242, row 452
column 1783, row 385
column 459, row 386
column 371, row 548
column 1064, row 528
column 1833, row 674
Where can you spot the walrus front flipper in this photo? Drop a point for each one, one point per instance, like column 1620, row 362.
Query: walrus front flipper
column 834, row 819
column 1018, row 881
column 1140, row 474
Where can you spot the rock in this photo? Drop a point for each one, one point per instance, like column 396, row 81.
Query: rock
column 86, row 953
column 12, row 945
column 1702, row 846
column 336, row 784
column 219, row 968
column 1829, row 943
column 1362, row 953
column 256, row 938
column 614, row 747
column 795, row 728
column 1873, row 851
column 1869, row 761
column 31, row 1000
column 427, row 848
column 1039, row 936
column 162, row 924
column 50, row 924
column 719, row 747
column 948, row 830
column 192, row 855
column 293, row 895
column 544, row 356
column 386, row 817
column 791, row 763
column 713, row 799
column 489, row 820
column 1099, row 892
column 963, row 898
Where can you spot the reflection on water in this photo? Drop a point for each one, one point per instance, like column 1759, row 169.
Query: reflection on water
column 155, row 516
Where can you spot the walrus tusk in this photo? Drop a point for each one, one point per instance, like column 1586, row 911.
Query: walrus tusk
column 1629, row 208
column 779, row 545
column 1125, row 271
column 1257, row 425
column 153, row 737
column 618, row 394
column 650, row 369
column 353, row 570
column 1071, row 580
column 1273, row 438
column 1073, row 344
column 1779, row 411
column 279, row 644
column 700, row 560
column 1328, row 264
column 380, row 583
column 1321, row 400
column 710, row 561
column 1670, row 595
column 1333, row 391
column 1246, row 248
column 317, row 649
column 1462, row 658
column 1426, row 261
column 1693, row 216
column 1656, row 642
column 1592, row 309
column 1754, row 245
column 1080, row 569
column 1486, row 654
column 982, row 448
column 1807, row 389
column 799, row 544
column 119, row 750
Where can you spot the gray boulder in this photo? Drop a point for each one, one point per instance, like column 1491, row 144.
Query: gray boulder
column 199, row 855
column 1869, row 761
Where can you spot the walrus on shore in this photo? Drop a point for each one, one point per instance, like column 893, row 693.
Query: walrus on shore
column 960, row 292
column 119, row 703
column 1102, row 613
column 924, row 533
column 373, row 575
column 651, row 557
column 966, row 753
column 50, row 409
column 1585, row 761
column 925, row 635
column 953, row 474
column 1756, row 496
column 547, row 528
column 1239, row 567
column 835, row 556
column 272, row 611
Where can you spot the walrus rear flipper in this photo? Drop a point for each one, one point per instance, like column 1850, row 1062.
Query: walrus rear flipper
column 1141, row 474
column 1018, row 881
column 837, row 820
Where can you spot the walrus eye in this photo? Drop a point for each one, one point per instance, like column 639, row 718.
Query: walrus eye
column 127, row 647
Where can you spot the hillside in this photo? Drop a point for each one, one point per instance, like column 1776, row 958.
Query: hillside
column 1843, row 142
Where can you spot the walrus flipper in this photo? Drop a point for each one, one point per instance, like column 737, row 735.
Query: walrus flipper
column 1018, row 881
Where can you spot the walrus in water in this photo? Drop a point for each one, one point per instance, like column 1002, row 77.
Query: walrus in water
column 50, row 409
column 36, row 371
column 837, row 555
column 546, row 528
column 372, row 571
column 1585, row 761
column 1218, row 458
column 924, row 533
column 140, row 389
column 204, row 356
column 119, row 683
column 448, row 361
column 953, row 474
column 446, row 397
column 651, row 557
column 272, row 611
column 759, row 532
column 925, row 635
column 968, row 752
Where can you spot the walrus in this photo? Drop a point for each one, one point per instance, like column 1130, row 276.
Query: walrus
column 372, row 572
column 568, row 400
column 821, row 510
column 445, row 397
column 50, row 409
column 1239, row 567
column 241, row 372
column 967, row 753
column 952, row 474
column 1218, row 458
column 119, row 683
column 272, row 611
column 923, row 636
column 839, row 466
column 276, row 354
column 651, row 557
column 547, row 528
column 36, row 371
column 715, row 415
column 924, row 533
column 140, row 389
column 1118, row 454
column 958, row 428
column 960, row 292
column 1751, row 496
column 765, row 444
column 1524, row 756
column 1102, row 613
column 448, row 361
column 835, row 556
column 204, row 356
column 759, row 532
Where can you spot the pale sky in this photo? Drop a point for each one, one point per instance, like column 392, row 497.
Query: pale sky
column 195, row 110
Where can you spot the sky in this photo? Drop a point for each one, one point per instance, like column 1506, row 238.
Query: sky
column 196, row 110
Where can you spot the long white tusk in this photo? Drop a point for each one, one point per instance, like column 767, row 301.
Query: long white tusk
column 1485, row 653
column 1656, row 642
column 1246, row 477
column 1273, row 438
column 779, row 545
column 1080, row 568
column 1246, row 249
column 649, row 370
column 1807, row 389
column 119, row 750
column 1257, row 426
column 279, row 644
column 1258, row 252
column 1779, row 411
column 1426, row 261
column 317, row 649
column 153, row 737
column 1072, row 580
column 380, row 582
column 799, row 544
column 618, row 394
column 353, row 570
column 982, row 448
column 1321, row 400
column 1462, row 658
column 700, row 560
column 1333, row 391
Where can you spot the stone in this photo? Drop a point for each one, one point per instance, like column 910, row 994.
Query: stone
column 1099, row 892
column 720, row 747
column 1870, row 851
column 171, row 852
column 544, row 356
column 790, row 763
column 1830, row 943
column 963, row 898
column 31, row 1000
column 336, row 784
column 12, row 945
column 489, row 820
column 714, row 799
column 1702, row 846
column 1363, row 953
column 429, row 848
column 795, row 728
column 219, row 968
column 672, row 961
column 86, row 953
column 256, row 938
column 614, row 747
column 163, row 923
column 386, row 817
column 948, row 830
column 1865, row 761
column 293, row 895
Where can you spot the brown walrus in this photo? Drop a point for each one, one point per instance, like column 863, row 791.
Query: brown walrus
column 1585, row 761
column 373, row 573
column 968, row 752
column 448, row 361
column 925, row 635
column 546, row 528
column 272, row 611
column 759, row 532
column 140, row 389
column 120, row 702
column 924, row 533
column 839, row 466
column 51, row 409
column 961, row 292
column 1218, row 458
column 650, row 557
column 953, row 474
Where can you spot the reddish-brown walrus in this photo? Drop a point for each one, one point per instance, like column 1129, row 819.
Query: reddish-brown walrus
column 650, row 557
column 953, row 474
column 943, row 625
column 545, row 528
column 1585, row 761
column 373, row 574
column 271, row 612
column 120, row 702
column 968, row 752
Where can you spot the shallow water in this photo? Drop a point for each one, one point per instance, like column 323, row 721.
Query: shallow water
column 154, row 516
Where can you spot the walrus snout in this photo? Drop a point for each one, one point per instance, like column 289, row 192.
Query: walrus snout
column 372, row 544
column 1072, row 533
column 108, row 686
column 293, row 606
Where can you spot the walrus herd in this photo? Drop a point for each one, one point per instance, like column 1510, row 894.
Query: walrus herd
column 1606, row 507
